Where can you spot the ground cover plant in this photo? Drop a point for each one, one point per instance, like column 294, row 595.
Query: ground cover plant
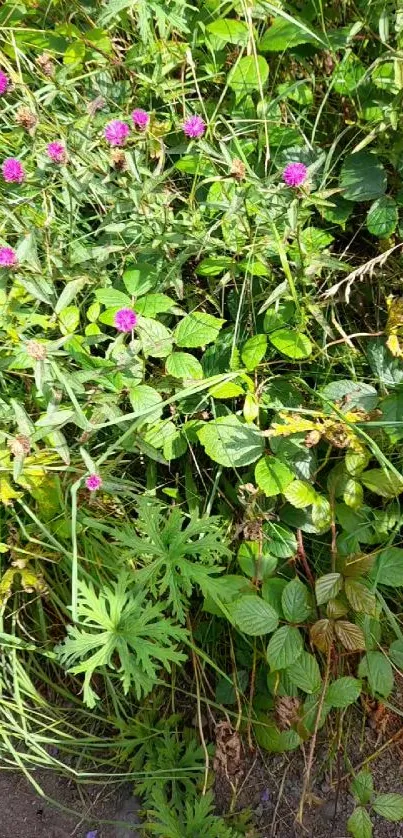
column 201, row 390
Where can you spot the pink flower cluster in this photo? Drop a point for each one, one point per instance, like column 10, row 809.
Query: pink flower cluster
column 56, row 152
column 125, row 320
column 8, row 257
column 194, row 127
column 13, row 171
column 295, row 174
column 140, row 118
column 4, row 82
column 93, row 482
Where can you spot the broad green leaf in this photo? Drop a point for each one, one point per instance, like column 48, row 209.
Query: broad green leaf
column 385, row 484
column 183, row 365
column 285, row 647
column 197, row 329
column 75, row 53
column 392, row 411
column 253, row 563
column 296, row 602
column 272, row 591
column 343, row 692
column 111, row 298
column 389, row 567
column 269, row 737
column 145, row 402
column 359, row 824
column 389, row 806
column 156, row 339
column 292, row 344
column 139, row 279
column 305, row 673
column 350, row 635
column 283, row 35
column 281, row 541
column 215, row 265
column 248, row 74
column 254, row 351
column 152, row 304
column 382, row 217
column 230, row 442
column 253, row 616
column 362, row 786
column 226, row 390
column 347, row 74
column 327, row 587
column 174, row 445
column 351, row 394
column 225, row 693
column 377, row 669
column 300, row 494
column 359, row 597
column 396, row 653
column 69, row 319
column 272, row 476
column 362, row 178
column 229, row 30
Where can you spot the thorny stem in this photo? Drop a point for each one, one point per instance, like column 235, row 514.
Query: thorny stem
column 251, row 694
column 301, row 557
column 199, row 716
column 307, row 778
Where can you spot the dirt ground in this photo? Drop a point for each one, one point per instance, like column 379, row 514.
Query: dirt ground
column 24, row 814
column 269, row 785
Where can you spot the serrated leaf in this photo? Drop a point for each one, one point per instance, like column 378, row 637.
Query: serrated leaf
column 281, row 541
column 253, row 616
column 253, row 563
column 197, row 329
column 389, row 806
column 272, row 476
column 343, row 692
column 112, row 298
column 389, row 567
column 300, row 494
column 359, row 597
column 322, row 634
column 269, row 737
column 362, row 786
column 291, row 343
column 285, row 646
column 226, row 390
column 230, row 442
column 396, row 653
column 248, row 74
column 156, row 339
column 377, row 669
column 285, row 34
column 359, row 824
column 184, row 365
column 254, row 351
column 382, row 217
column 295, row 602
column 145, row 402
column 305, row 673
column 327, row 587
column 229, row 30
column 385, row 484
column 362, row 177
column 350, row 635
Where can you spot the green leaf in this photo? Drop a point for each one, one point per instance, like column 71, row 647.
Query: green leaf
column 300, row 494
column 343, row 692
column 152, row 304
column 385, row 484
column 248, row 74
column 229, row 30
column 283, row 35
column 295, row 602
column 139, row 279
column 253, row 563
column 269, row 737
column 156, row 339
column 362, row 178
column 377, row 669
column 305, row 673
column 292, row 344
column 359, row 824
column 389, row 567
column 112, row 298
column 253, row 351
column 348, row 74
column 359, row 597
column 327, row 587
column 75, row 53
column 197, row 329
column 226, row 390
column 272, row 591
column 285, row 647
column 272, row 476
column 143, row 400
column 281, row 542
column 389, row 806
column 215, row 265
column 382, row 217
column 392, row 411
column 225, row 692
column 351, row 394
column 184, row 365
column 396, row 653
column 350, row 635
column 362, row 786
column 230, row 442
column 253, row 616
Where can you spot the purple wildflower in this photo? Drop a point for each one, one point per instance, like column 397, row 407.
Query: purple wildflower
column 8, row 257
column 194, row 127
column 13, row 170
column 125, row 320
column 295, row 174
column 140, row 118
column 92, row 834
column 116, row 132
column 93, row 482
column 3, row 83
column 56, row 152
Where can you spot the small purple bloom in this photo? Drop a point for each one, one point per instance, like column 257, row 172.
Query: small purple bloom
column 295, row 174
column 8, row 257
column 93, row 482
column 3, row 83
column 140, row 118
column 116, row 132
column 194, row 127
column 125, row 320
column 13, row 170
column 56, row 152
column 92, row 834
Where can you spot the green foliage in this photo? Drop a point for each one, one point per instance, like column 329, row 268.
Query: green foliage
column 388, row 806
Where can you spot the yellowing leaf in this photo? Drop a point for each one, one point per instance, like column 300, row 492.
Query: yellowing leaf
column 7, row 493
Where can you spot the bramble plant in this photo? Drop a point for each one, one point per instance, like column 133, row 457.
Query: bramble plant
column 201, row 384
